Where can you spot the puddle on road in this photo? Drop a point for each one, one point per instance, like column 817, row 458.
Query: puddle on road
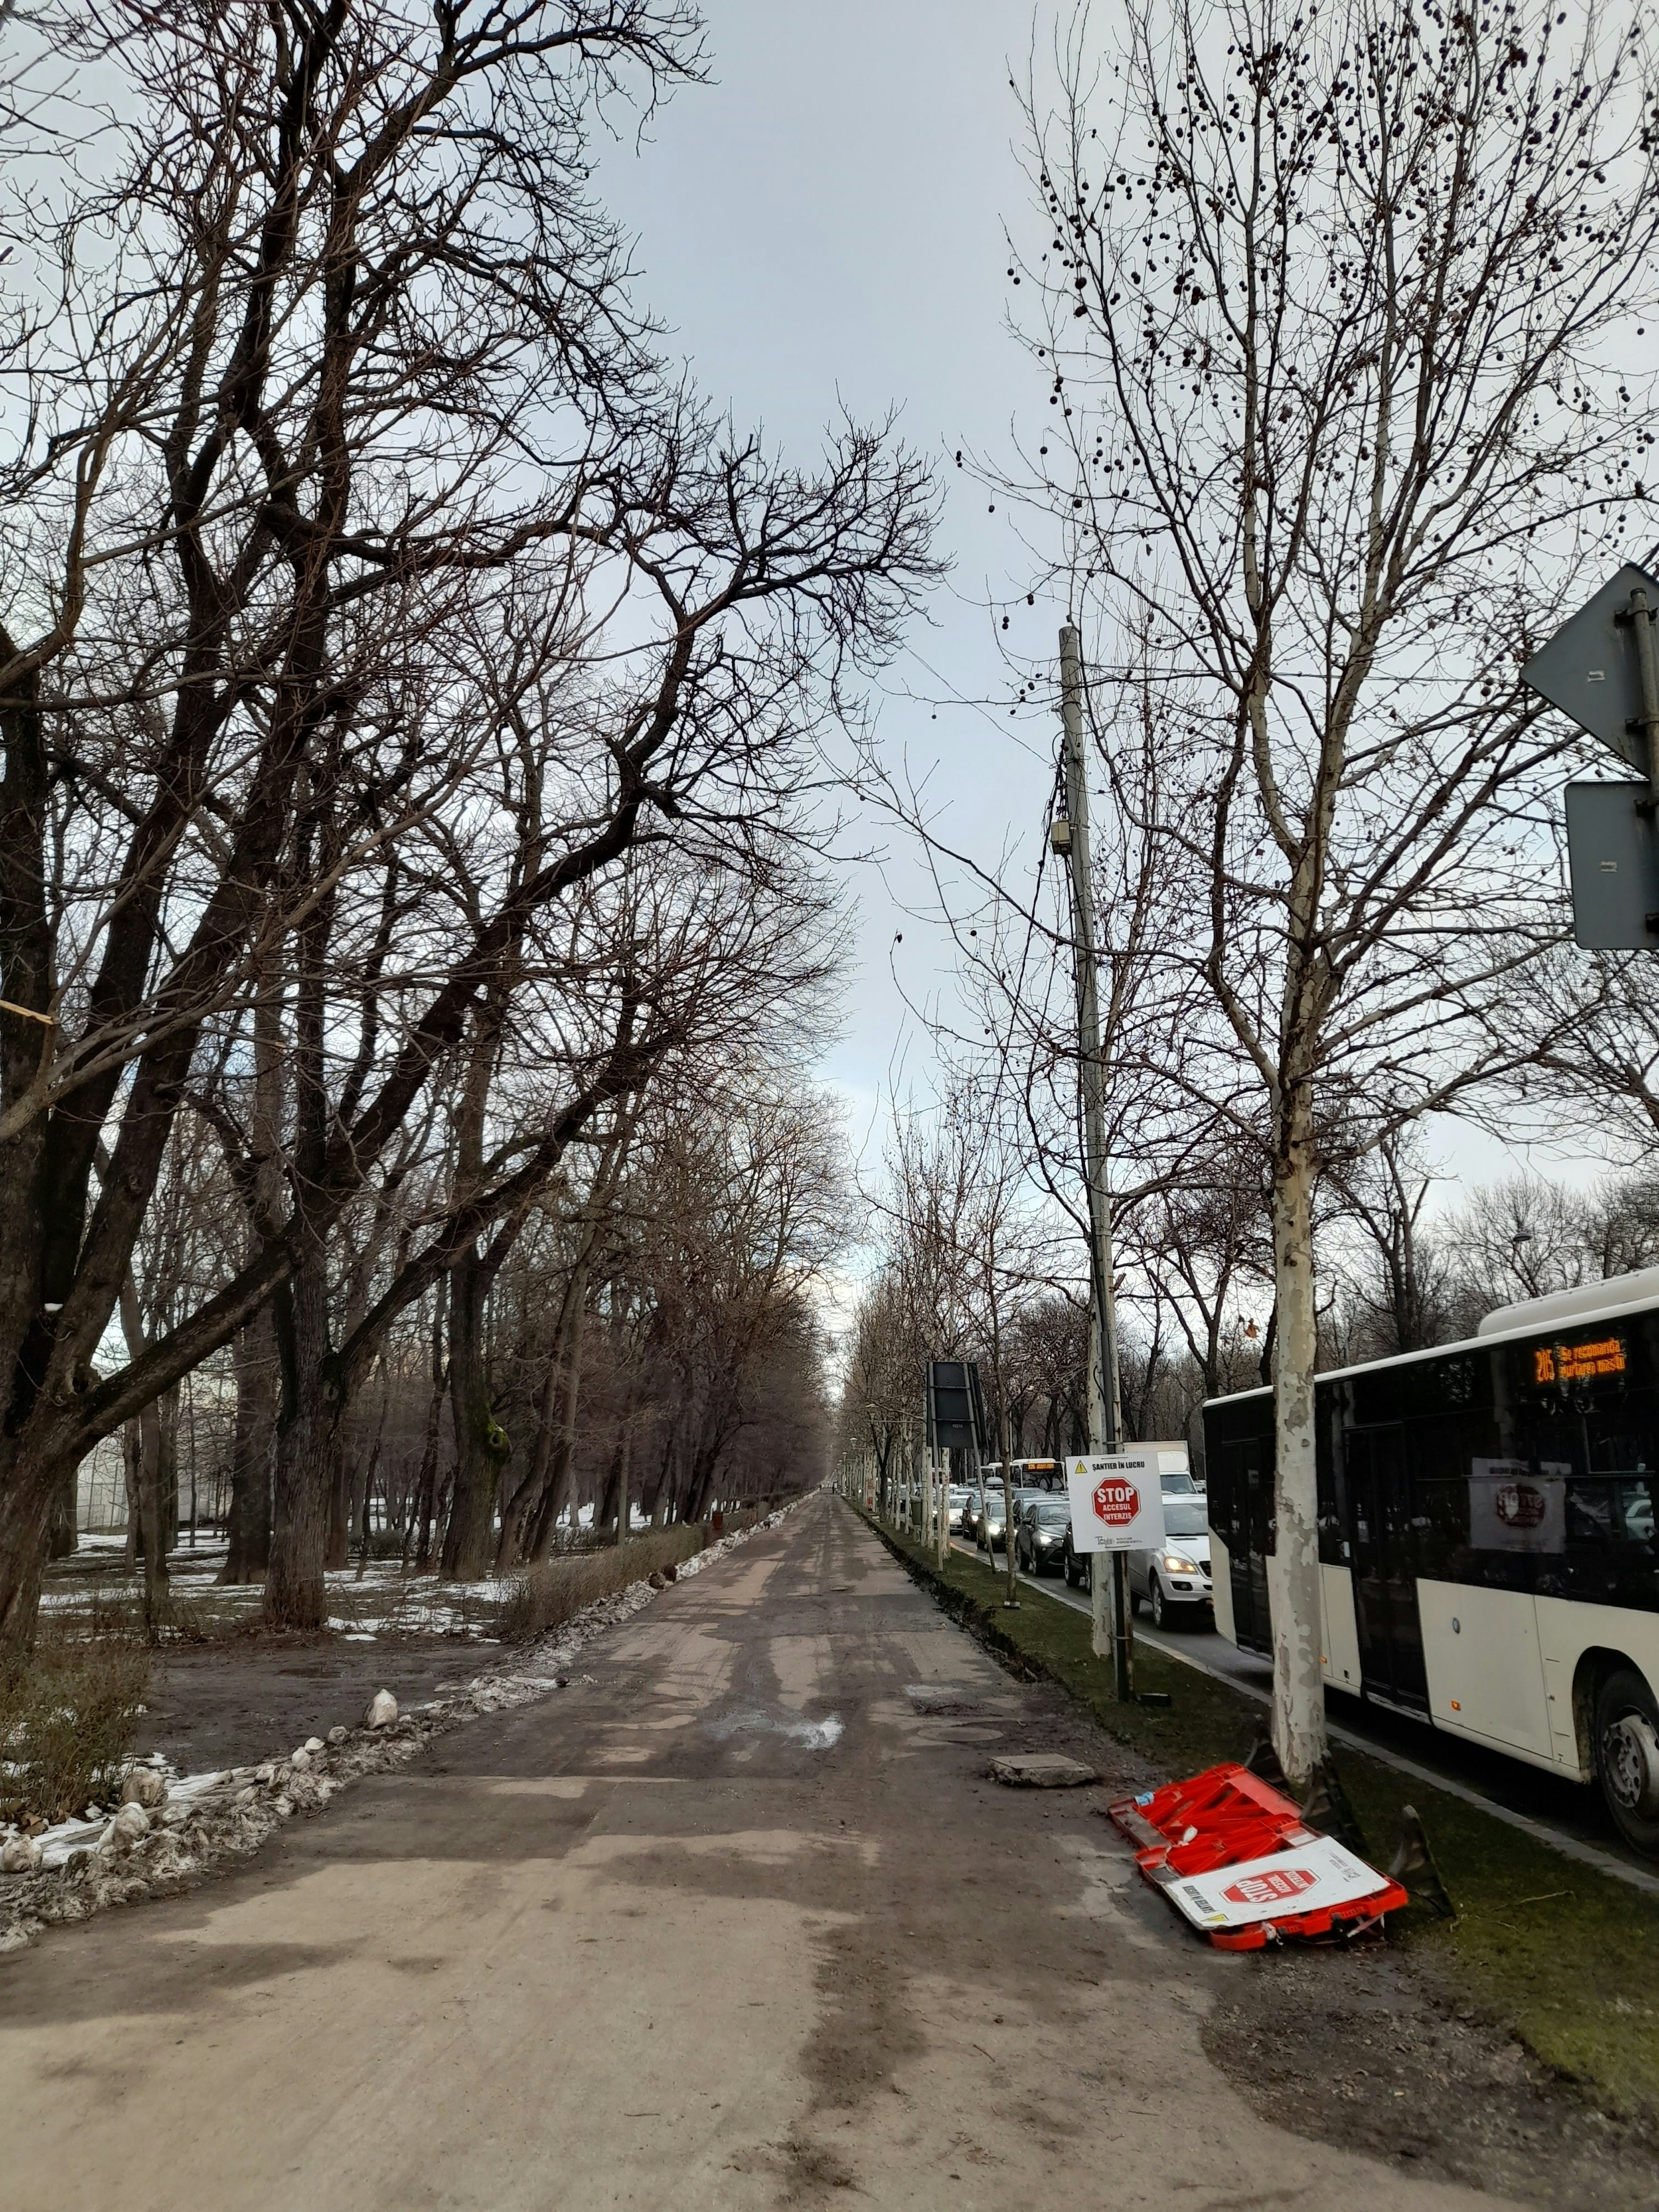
column 812, row 1735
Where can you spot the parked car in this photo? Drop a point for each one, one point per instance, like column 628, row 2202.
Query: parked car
column 1041, row 1534
column 1175, row 1580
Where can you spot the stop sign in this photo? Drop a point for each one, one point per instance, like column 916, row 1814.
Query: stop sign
column 1116, row 1501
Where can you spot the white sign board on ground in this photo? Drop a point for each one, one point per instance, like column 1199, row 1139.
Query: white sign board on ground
column 1310, row 1878
column 1117, row 1500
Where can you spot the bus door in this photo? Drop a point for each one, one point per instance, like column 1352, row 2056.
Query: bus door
column 1249, row 1482
column 1384, row 1567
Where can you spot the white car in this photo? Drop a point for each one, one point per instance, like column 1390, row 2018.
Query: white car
column 1175, row 1580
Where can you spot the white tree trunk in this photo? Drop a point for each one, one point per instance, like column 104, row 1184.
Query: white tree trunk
column 1298, row 1711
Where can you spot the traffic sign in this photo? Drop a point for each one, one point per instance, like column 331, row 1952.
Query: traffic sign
column 1117, row 1500
column 954, row 1408
column 1591, row 669
column 1309, row 1877
column 1613, row 852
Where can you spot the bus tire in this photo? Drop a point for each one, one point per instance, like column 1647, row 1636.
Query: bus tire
column 1627, row 1757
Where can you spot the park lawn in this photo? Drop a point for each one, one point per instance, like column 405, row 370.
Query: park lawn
column 1563, row 1954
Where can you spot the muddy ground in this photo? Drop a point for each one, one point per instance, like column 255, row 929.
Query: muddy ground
column 236, row 1702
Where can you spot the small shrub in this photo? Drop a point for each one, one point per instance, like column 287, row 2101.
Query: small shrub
column 68, row 1712
column 554, row 1590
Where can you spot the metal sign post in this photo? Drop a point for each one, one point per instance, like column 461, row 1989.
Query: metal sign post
column 1601, row 668
column 1117, row 1507
column 1068, row 836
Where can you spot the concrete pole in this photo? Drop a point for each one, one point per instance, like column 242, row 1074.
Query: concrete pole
column 1105, row 1418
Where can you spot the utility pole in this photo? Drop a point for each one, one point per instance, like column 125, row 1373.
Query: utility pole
column 1068, row 834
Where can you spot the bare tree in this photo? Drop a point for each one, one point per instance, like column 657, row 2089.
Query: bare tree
column 362, row 418
column 1331, row 307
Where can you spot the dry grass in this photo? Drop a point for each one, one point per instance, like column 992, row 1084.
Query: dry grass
column 554, row 1590
column 68, row 1712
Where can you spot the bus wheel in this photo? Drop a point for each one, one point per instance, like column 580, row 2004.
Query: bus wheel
column 1627, row 1757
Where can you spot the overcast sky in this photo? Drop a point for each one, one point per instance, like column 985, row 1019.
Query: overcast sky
column 823, row 225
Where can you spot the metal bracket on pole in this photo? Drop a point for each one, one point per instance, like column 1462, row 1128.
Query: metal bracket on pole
column 1645, row 724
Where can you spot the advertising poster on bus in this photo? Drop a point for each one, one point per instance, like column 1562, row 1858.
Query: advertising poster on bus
column 1117, row 1500
column 1517, row 1507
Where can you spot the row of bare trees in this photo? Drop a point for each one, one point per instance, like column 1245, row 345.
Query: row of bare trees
column 410, row 692
column 1343, row 322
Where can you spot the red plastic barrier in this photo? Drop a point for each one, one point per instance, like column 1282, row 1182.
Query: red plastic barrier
column 1224, row 1817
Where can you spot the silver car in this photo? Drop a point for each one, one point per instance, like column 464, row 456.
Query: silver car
column 1175, row 1580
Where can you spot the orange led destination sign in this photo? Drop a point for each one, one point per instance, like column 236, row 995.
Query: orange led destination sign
column 1577, row 1363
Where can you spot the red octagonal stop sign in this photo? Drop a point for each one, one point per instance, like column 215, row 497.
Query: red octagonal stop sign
column 1116, row 1501
column 1271, row 1887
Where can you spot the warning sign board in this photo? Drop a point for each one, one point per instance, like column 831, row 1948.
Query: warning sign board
column 1117, row 1501
column 1311, row 1877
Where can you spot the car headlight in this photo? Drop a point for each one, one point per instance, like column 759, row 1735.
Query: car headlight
column 1177, row 1565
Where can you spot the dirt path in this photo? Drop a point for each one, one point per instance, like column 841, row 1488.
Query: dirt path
column 735, row 1923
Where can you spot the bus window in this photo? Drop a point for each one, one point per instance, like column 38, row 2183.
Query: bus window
column 1611, row 1556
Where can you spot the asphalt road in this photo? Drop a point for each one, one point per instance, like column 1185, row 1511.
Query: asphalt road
column 736, row 1920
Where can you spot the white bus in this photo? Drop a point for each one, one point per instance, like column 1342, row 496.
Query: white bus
column 1488, row 1560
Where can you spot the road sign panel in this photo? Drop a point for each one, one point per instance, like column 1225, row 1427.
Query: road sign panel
column 1589, row 668
column 1117, row 1501
column 955, row 1412
column 1308, row 1876
column 1612, row 851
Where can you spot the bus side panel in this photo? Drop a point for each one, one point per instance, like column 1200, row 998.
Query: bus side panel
column 1481, row 1649
column 1567, row 1630
column 1339, row 1642
column 1221, row 1584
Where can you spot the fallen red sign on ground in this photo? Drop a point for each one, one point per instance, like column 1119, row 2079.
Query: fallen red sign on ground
column 1229, row 1818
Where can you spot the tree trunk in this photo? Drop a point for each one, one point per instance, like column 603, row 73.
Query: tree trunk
column 482, row 1446
column 61, row 1535
column 1298, row 1710
column 562, row 1455
column 29, row 1490
column 166, row 1517
column 248, row 1531
column 337, row 1550
column 152, row 1533
column 131, row 1453
column 625, row 1468
column 605, row 1509
column 296, row 1594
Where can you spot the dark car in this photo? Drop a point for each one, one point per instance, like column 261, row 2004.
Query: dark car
column 990, row 1523
column 1041, row 1534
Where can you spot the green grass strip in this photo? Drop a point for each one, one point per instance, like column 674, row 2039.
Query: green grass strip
column 1563, row 1954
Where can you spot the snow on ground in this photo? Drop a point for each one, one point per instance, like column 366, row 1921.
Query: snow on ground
column 379, row 1598
column 240, row 1804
